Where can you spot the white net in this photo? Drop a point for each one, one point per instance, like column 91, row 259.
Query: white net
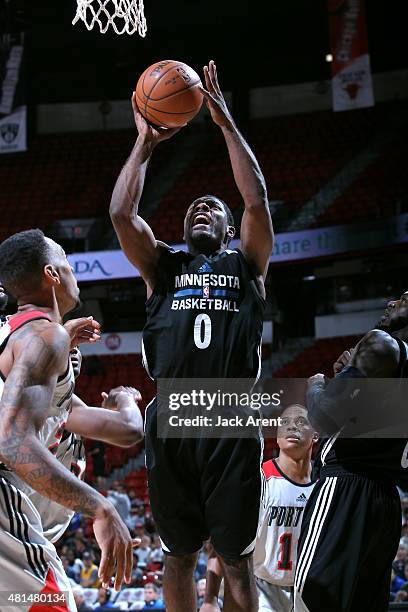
column 124, row 16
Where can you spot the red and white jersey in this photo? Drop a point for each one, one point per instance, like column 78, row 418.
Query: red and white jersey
column 66, row 447
column 280, row 519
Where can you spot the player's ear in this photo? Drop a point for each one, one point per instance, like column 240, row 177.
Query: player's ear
column 229, row 234
column 51, row 275
column 315, row 437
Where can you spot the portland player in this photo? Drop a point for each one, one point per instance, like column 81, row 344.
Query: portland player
column 36, row 389
column 352, row 524
column 287, row 487
column 204, row 319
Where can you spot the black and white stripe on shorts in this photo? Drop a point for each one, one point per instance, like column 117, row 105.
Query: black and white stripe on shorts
column 19, row 529
column 320, row 511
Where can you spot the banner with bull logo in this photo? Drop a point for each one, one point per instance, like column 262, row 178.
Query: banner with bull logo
column 351, row 74
column 13, row 111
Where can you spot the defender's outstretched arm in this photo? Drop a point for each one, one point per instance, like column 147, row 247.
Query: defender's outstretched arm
column 119, row 423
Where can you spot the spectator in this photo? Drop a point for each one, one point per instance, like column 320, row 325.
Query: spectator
column 141, row 512
column 68, row 570
column 152, row 599
column 402, row 593
column 404, row 536
column 201, row 567
column 396, row 585
column 143, row 551
column 137, row 573
column 75, row 565
column 134, row 520
column 89, row 573
column 134, row 500
column 104, row 601
column 201, row 592
column 75, row 524
column 80, row 600
column 156, row 553
column 77, row 541
column 119, row 498
column 398, row 564
column 139, row 531
column 98, row 458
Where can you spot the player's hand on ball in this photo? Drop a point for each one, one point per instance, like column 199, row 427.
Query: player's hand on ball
column 213, row 97
column 112, row 400
column 342, row 361
column 83, row 331
column 317, row 379
column 147, row 132
column 116, row 546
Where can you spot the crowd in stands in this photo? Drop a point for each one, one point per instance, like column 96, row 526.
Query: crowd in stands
column 399, row 576
column 81, row 556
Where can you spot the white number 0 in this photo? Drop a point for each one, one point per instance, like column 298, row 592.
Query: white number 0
column 404, row 458
column 200, row 342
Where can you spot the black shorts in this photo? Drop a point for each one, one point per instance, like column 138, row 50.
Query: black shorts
column 350, row 533
column 203, row 488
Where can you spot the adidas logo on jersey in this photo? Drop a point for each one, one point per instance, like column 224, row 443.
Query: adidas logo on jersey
column 301, row 498
column 205, row 268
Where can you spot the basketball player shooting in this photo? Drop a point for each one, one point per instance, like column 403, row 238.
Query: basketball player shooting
column 36, row 388
column 344, row 557
column 201, row 488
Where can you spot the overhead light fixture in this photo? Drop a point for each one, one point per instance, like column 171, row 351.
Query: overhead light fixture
column 311, row 277
column 329, row 57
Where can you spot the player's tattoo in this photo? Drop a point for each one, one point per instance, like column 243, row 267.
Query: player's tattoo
column 41, row 355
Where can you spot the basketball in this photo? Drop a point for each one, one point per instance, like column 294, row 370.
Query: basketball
column 168, row 94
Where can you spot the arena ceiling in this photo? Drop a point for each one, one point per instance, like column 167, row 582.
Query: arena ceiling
column 255, row 43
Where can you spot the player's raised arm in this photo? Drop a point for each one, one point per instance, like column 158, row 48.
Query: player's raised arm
column 135, row 235
column 39, row 357
column 256, row 226
column 118, row 421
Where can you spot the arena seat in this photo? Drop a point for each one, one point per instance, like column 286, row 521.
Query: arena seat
column 108, row 371
column 102, row 374
column 72, row 175
column 317, row 358
column 376, row 192
column 297, row 154
column 130, row 595
column 62, row 176
column 90, row 596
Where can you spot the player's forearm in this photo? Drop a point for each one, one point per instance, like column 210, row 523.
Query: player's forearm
column 321, row 410
column 247, row 173
column 129, row 185
column 129, row 429
column 34, row 463
column 121, row 428
column 331, row 407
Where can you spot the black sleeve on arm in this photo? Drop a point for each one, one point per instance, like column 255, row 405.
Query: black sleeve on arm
column 331, row 407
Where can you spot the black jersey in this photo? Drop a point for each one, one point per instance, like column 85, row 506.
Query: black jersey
column 382, row 458
column 204, row 318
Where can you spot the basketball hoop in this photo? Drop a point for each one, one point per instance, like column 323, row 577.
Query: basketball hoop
column 124, row 16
